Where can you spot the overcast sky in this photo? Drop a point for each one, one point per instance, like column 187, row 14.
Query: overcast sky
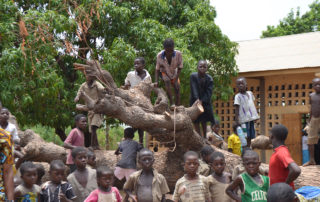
column 246, row 19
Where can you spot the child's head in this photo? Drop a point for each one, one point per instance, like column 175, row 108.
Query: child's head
column 129, row 133
column 191, row 163
column 279, row 134
column 91, row 158
column 241, row 84
column 89, row 75
column 168, row 46
column 216, row 126
column 205, row 152
column 104, row 177
column 146, row 159
column 79, row 155
column 316, row 84
column 202, row 67
column 217, row 162
column 251, row 162
column 281, row 192
column 29, row 173
column 81, row 121
column 4, row 114
column 41, row 172
column 57, row 171
column 139, row 64
column 235, row 125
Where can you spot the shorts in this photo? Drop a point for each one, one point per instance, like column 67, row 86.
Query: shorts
column 251, row 132
column 120, row 173
column 313, row 136
column 165, row 77
column 94, row 120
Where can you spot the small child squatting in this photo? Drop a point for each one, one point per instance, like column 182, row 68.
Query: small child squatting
column 146, row 185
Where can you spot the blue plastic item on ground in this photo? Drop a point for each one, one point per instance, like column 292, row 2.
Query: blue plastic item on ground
column 309, row 192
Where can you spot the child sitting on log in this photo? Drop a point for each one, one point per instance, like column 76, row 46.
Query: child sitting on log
column 191, row 187
column 128, row 148
column 105, row 192
column 146, row 185
column 204, row 168
column 56, row 190
column 28, row 190
column 83, row 179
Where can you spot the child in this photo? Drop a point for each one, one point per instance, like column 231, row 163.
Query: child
column 83, row 179
column 134, row 78
column 305, row 150
column 9, row 127
column 105, row 192
column 214, row 137
column 253, row 186
column 129, row 148
column 201, row 89
column 93, row 89
column 219, row 179
column 281, row 192
column 146, row 184
column 28, row 190
column 205, row 152
column 40, row 172
column 191, row 187
column 282, row 167
column 169, row 64
column 56, row 190
column 91, row 159
column 314, row 120
column 75, row 139
column 234, row 143
column 246, row 112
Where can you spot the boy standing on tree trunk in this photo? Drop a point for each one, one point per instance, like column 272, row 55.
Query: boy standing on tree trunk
column 93, row 89
column 169, row 64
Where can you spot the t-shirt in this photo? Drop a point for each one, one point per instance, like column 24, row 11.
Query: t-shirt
column 247, row 109
column 134, row 79
column 254, row 192
column 100, row 196
column 234, row 143
column 195, row 190
column 93, row 91
column 30, row 195
column 163, row 65
column 75, row 138
column 47, row 196
column 129, row 149
column 217, row 190
column 11, row 128
column 278, row 165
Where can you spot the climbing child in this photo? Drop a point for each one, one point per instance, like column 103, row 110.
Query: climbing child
column 253, row 186
column 191, row 187
column 129, row 148
column 28, row 190
column 146, row 184
column 83, row 179
column 204, row 167
column 246, row 112
column 56, row 190
column 105, row 192
column 234, row 143
column 219, row 179
column 282, row 167
column 75, row 139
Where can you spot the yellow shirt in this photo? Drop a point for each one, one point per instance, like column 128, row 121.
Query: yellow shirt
column 234, row 144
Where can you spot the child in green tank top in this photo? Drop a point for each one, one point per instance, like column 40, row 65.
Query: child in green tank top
column 253, row 186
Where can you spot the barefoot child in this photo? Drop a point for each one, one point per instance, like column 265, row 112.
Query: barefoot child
column 191, row 187
column 314, row 120
column 83, row 179
column 75, row 139
column 28, row 190
column 105, row 192
column 219, row 179
column 234, row 143
column 205, row 153
column 282, row 167
column 253, row 186
column 146, row 185
column 246, row 112
column 201, row 85
column 56, row 190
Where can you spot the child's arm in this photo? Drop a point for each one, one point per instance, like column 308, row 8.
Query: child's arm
column 294, row 172
column 128, row 187
column 193, row 86
column 237, row 113
column 63, row 198
column 117, row 152
column 8, row 180
column 232, row 188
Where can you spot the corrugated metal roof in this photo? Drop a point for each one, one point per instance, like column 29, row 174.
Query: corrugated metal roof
column 276, row 53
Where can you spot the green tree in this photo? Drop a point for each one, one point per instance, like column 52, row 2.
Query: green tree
column 40, row 40
column 295, row 24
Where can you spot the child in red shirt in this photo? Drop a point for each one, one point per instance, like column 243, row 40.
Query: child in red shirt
column 282, row 167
